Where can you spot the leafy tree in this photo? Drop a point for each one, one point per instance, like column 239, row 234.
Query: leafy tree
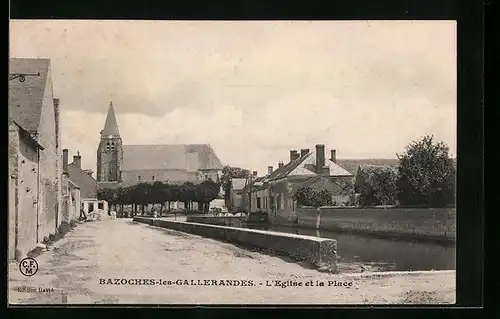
column 376, row 186
column 309, row 196
column 426, row 174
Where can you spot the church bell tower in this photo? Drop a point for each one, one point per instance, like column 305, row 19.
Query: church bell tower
column 110, row 150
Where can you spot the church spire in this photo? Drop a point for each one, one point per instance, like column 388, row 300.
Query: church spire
column 110, row 127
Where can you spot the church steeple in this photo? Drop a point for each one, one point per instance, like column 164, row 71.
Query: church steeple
column 110, row 127
column 110, row 150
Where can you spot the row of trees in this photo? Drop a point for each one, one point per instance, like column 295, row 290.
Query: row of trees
column 163, row 194
column 425, row 177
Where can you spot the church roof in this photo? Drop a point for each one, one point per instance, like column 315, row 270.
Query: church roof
column 189, row 157
column 26, row 98
column 111, row 126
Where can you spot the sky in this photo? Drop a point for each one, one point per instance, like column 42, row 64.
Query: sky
column 252, row 90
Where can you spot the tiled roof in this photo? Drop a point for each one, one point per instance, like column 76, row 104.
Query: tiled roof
column 286, row 169
column 300, row 166
column 190, row 157
column 87, row 184
column 25, row 98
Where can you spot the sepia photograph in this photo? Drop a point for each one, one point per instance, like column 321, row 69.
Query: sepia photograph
column 232, row 162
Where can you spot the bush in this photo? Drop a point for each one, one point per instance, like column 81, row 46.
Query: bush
column 376, row 185
column 308, row 196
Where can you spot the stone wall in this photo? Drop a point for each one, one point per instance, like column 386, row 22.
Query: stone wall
column 13, row 171
column 27, row 197
column 320, row 251
column 50, row 166
column 430, row 223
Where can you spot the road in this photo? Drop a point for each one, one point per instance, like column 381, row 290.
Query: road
column 100, row 262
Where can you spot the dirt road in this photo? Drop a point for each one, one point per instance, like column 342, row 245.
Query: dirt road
column 122, row 262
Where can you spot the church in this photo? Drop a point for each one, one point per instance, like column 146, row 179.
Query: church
column 120, row 165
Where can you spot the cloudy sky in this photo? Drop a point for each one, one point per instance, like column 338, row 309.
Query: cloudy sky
column 253, row 90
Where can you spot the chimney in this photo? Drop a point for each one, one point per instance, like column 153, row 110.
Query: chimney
column 65, row 161
column 304, row 152
column 280, row 164
column 293, row 155
column 320, row 158
column 333, row 156
column 77, row 160
column 254, row 173
column 269, row 169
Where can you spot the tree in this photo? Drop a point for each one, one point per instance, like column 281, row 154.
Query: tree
column 309, row 196
column 426, row 174
column 207, row 191
column 228, row 173
column 376, row 185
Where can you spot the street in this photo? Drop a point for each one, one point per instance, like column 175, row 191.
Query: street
column 119, row 261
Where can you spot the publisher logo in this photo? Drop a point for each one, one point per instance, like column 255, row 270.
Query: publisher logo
column 28, row 267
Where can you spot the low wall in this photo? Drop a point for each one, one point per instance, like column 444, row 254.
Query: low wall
column 424, row 223
column 235, row 221
column 320, row 251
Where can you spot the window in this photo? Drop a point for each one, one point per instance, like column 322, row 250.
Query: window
column 258, row 203
column 139, row 177
column 153, row 178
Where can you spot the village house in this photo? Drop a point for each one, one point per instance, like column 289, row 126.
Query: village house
column 274, row 192
column 87, row 183
column 236, row 194
column 35, row 194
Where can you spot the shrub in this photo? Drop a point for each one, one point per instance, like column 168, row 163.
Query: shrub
column 308, row 196
column 376, row 185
